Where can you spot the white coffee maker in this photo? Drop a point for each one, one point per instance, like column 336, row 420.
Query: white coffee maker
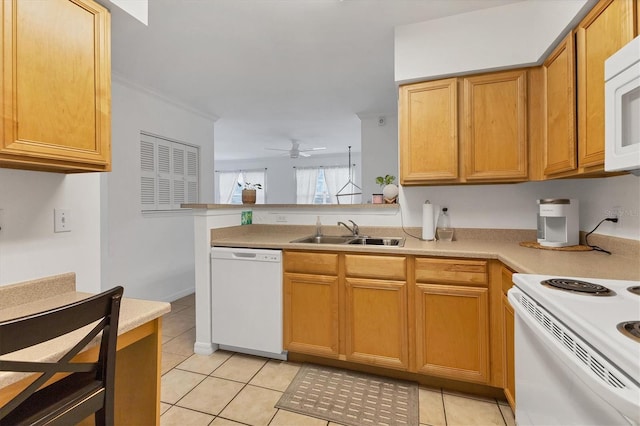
column 558, row 222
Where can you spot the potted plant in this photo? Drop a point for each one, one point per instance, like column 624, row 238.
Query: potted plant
column 249, row 192
column 389, row 189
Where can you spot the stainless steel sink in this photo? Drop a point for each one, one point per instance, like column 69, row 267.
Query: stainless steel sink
column 324, row 239
column 350, row 239
column 378, row 241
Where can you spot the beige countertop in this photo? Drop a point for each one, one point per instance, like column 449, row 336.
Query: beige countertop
column 35, row 296
column 503, row 245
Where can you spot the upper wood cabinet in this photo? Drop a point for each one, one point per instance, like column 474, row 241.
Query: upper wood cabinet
column 429, row 131
column 607, row 27
column 559, row 139
column 495, row 126
column 492, row 118
column 56, row 86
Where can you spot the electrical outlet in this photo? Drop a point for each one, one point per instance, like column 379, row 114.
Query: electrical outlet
column 281, row 218
column 615, row 211
column 61, row 220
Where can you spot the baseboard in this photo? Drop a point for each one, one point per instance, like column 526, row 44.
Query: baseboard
column 204, row 348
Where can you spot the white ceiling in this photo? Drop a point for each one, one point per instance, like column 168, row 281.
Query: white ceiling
column 274, row 70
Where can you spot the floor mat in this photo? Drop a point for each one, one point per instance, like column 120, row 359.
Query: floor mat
column 351, row 398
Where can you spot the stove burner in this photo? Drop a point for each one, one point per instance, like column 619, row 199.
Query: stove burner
column 635, row 289
column 580, row 287
column 630, row 329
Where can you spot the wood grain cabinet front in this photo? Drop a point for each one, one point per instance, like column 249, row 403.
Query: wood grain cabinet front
column 607, row 28
column 559, row 139
column 508, row 333
column 429, row 131
column 452, row 321
column 490, row 110
column 376, row 311
column 311, row 303
column 494, row 132
column 56, row 86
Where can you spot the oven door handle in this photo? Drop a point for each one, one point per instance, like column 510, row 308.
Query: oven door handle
column 625, row 400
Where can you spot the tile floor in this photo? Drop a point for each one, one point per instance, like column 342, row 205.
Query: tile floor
column 227, row 388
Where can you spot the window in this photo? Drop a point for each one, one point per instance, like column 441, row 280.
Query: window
column 169, row 173
column 230, row 185
column 319, row 185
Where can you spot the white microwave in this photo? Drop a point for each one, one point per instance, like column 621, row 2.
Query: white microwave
column 622, row 109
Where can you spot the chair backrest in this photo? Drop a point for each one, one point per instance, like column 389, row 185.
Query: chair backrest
column 102, row 312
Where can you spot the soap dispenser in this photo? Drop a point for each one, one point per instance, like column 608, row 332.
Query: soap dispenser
column 444, row 231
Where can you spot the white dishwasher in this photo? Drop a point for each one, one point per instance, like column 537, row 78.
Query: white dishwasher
column 246, row 300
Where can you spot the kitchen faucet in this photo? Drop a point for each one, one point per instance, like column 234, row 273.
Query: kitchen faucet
column 355, row 230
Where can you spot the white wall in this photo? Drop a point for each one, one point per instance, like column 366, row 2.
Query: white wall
column 516, row 34
column 281, row 183
column 379, row 151
column 514, row 206
column 28, row 246
column 151, row 254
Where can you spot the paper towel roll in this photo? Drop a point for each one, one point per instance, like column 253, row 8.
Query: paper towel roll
column 427, row 221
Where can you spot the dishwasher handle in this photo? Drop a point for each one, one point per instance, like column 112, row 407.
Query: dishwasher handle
column 244, row 255
column 247, row 255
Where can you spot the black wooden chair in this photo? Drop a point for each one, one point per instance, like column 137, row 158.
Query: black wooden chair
column 89, row 388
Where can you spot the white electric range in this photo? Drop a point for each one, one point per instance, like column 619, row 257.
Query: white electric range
column 577, row 350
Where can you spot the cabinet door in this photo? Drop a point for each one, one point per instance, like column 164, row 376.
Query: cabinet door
column 560, row 137
column 311, row 314
column 55, row 78
column 429, row 131
column 509, row 353
column 376, row 322
column 452, row 332
column 508, row 347
column 495, row 126
column 607, row 28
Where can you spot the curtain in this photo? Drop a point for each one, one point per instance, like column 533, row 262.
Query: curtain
column 335, row 178
column 306, row 180
column 227, row 182
column 254, row 177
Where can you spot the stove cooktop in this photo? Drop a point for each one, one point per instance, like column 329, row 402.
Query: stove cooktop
column 578, row 287
column 594, row 319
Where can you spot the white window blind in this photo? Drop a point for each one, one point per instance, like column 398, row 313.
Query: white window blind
column 169, row 173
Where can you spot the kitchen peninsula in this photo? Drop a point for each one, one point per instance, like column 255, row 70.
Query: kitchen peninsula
column 338, row 297
column 139, row 345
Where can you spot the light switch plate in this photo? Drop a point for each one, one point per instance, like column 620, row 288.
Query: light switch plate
column 61, row 220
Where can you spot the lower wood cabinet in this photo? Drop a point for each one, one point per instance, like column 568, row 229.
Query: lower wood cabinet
column 508, row 331
column 452, row 318
column 376, row 331
column 416, row 314
column 452, row 331
column 311, row 303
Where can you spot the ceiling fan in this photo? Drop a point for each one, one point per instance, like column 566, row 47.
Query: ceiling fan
column 295, row 151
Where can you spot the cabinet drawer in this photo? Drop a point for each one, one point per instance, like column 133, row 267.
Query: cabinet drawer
column 311, row 263
column 469, row 272
column 377, row 267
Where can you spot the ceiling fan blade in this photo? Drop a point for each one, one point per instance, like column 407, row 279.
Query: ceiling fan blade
column 320, row 148
column 276, row 149
column 303, row 154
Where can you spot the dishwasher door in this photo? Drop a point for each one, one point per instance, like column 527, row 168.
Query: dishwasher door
column 246, row 305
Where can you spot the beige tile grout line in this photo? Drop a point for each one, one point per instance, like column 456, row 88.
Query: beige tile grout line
column 442, row 392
